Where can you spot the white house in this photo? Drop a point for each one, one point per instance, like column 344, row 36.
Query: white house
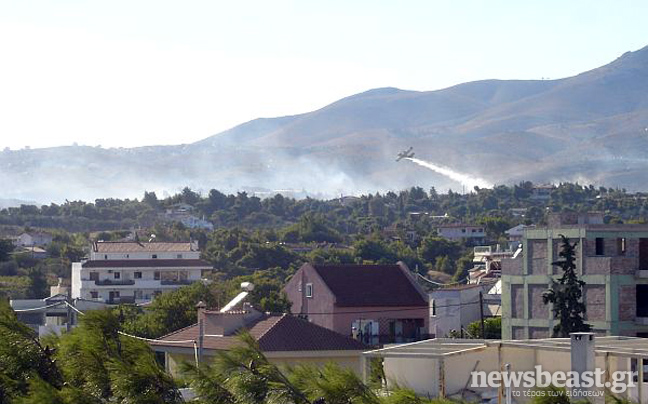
column 462, row 232
column 454, row 307
column 134, row 272
column 33, row 239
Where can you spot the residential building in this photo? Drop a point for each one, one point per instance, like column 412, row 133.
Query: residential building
column 452, row 308
column 133, row 272
column 542, row 192
column 515, row 234
column 611, row 259
column 487, row 263
column 471, row 234
column 52, row 314
column 284, row 339
column 183, row 213
column 374, row 303
column 443, row 367
column 33, row 239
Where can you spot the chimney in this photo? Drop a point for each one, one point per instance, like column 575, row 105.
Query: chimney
column 582, row 359
column 200, row 310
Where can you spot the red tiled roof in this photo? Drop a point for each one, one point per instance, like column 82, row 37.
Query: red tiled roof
column 134, row 246
column 370, row 285
column 150, row 263
column 274, row 333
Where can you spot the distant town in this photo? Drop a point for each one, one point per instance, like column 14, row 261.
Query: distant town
column 405, row 294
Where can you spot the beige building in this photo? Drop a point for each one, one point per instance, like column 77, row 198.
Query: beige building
column 285, row 340
column 443, row 367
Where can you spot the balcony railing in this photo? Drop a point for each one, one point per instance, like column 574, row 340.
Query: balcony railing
column 178, row 282
column 122, row 299
column 111, row 282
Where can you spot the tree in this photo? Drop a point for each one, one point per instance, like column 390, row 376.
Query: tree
column 566, row 294
column 22, row 357
column 6, row 247
column 492, row 328
column 112, row 367
column 168, row 312
column 37, row 284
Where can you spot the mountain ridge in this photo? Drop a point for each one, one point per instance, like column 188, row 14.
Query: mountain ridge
column 589, row 127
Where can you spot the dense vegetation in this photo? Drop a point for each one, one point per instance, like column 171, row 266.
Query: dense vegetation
column 270, row 238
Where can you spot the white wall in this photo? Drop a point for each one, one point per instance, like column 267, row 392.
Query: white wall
column 420, row 375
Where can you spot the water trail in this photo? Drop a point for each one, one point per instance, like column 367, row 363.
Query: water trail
column 464, row 179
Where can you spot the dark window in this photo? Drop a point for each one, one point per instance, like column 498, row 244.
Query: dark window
column 433, row 307
column 154, row 256
column 105, row 257
column 117, row 275
column 179, row 256
column 309, row 290
column 642, row 300
column 600, row 246
column 94, row 294
column 137, row 275
column 156, row 275
column 94, row 276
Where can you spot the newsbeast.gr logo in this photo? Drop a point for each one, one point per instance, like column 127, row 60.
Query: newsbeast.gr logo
column 538, row 378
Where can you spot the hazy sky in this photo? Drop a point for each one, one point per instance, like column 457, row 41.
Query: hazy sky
column 129, row 73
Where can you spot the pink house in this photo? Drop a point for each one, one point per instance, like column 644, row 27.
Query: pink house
column 375, row 303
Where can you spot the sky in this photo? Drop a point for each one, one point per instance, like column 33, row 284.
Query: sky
column 133, row 73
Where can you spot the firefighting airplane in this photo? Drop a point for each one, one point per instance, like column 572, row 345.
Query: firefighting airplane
column 405, row 154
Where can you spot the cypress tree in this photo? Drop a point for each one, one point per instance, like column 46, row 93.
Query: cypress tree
column 566, row 294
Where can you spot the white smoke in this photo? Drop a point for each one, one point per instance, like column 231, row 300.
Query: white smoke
column 464, row 179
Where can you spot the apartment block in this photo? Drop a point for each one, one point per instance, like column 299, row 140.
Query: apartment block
column 134, row 272
column 612, row 259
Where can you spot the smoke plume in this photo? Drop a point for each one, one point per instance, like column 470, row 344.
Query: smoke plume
column 464, row 179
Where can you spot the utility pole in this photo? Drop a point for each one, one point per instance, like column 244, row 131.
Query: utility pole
column 481, row 313
column 68, row 306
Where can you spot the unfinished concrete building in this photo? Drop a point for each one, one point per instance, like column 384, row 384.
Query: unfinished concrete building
column 612, row 259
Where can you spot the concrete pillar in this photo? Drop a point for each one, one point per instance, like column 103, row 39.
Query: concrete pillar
column 582, row 358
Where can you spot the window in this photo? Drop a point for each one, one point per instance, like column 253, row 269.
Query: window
column 94, row 276
column 154, row 256
column 299, row 286
column 621, row 246
column 179, row 256
column 94, row 294
column 117, row 275
column 106, row 256
column 463, row 230
column 434, row 307
column 309, row 290
column 137, row 275
column 127, row 256
column 156, row 275
column 600, row 246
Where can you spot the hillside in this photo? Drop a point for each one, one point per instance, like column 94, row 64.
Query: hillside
column 592, row 127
